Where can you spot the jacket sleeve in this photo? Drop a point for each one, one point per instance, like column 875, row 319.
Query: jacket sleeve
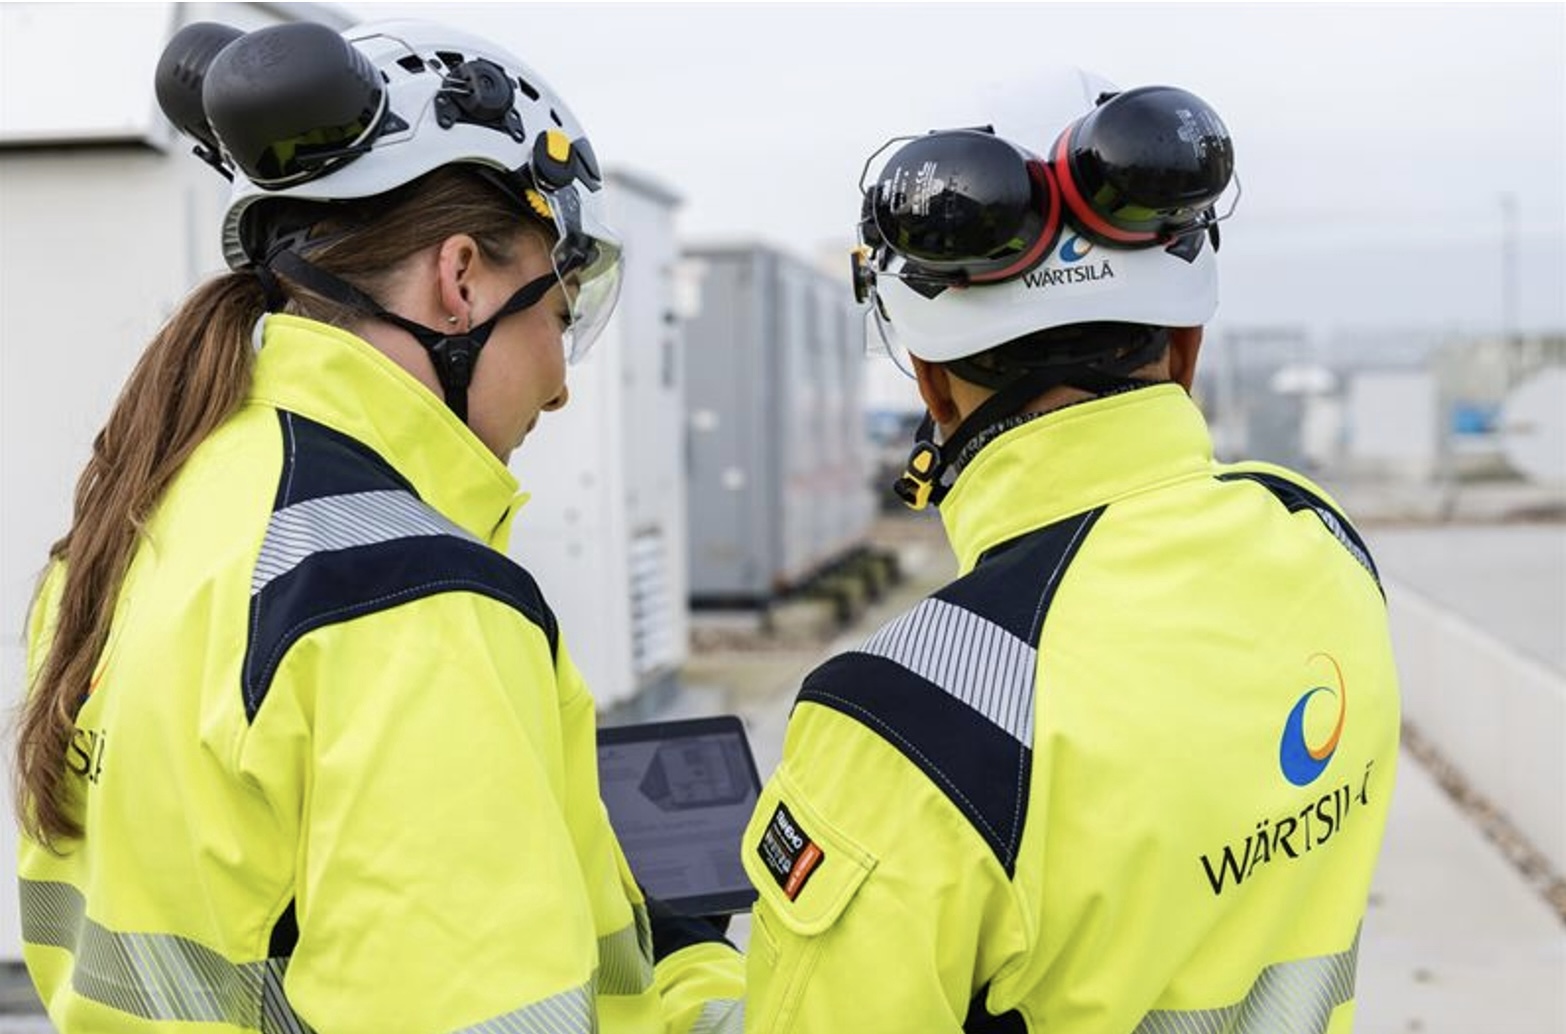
column 437, row 885
column 879, row 908
column 700, row 989
column 694, row 980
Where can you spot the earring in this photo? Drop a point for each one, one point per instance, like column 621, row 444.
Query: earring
column 451, row 319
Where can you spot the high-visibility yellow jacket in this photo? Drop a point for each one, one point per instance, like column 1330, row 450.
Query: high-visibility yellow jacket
column 337, row 771
column 1129, row 772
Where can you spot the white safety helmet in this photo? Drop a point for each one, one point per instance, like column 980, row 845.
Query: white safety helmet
column 973, row 238
column 297, row 111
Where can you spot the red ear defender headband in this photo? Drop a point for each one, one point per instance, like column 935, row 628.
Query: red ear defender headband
column 1142, row 170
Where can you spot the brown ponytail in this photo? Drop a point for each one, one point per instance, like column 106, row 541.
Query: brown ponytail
column 192, row 376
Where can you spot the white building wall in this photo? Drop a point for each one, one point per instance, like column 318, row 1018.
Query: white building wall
column 605, row 531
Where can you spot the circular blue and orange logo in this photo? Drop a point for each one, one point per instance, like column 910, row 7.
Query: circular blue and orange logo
column 1302, row 762
column 1075, row 249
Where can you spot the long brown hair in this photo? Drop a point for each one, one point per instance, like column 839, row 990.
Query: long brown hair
column 191, row 378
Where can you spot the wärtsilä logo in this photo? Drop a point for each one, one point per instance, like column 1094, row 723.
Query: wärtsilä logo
column 1045, row 277
column 1301, row 762
column 1314, row 822
column 1075, row 249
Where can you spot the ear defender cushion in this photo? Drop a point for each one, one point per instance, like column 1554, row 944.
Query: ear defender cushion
column 1079, row 168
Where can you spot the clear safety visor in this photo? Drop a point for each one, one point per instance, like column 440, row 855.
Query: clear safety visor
column 587, row 262
column 881, row 338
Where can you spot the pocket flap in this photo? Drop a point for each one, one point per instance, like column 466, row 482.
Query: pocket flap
column 805, row 868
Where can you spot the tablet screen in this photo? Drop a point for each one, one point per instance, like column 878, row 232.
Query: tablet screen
column 679, row 795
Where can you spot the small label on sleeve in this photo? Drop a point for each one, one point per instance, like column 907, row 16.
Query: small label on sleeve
column 788, row 852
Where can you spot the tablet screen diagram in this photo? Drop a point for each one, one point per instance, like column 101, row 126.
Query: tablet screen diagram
column 679, row 795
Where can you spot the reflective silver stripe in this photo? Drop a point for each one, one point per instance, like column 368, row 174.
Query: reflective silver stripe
column 341, row 522
column 155, row 976
column 277, row 1016
column 570, row 1012
column 51, row 913
column 720, row 1016
column 625, row 959
column 970, row 657
column 1335, row 526
column 1288, row 998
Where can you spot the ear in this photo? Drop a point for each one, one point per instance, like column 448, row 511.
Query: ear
column 456, row 269
column 1184, row 344
column 935, row 387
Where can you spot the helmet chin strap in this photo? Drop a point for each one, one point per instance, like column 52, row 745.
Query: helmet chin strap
column 454, row 355
column 930, row 471
column 933, row 466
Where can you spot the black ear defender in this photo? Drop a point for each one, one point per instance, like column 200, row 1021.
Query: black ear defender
column 282, row 104
column 178, row 81
column 965, row 205
column 288, row 101
column 1144, row 167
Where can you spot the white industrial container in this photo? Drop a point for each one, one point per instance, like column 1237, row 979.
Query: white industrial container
column 853, row 485
column 802, row 436
column 1394, row 423
column 832, row 528
column 604, row 532
column 775, row 423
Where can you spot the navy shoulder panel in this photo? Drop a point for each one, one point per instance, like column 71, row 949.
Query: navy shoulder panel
column 1013, row 583
column 981, row 768
column 334, row 554
column 950, row 683
column 318, row 461
column 1297, row 497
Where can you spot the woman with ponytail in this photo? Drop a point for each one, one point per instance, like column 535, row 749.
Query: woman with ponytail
column 303, row 750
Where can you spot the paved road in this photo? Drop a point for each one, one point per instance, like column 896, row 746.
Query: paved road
column 1509, row 579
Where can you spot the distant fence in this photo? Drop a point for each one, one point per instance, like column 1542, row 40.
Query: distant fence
column 1498, row 716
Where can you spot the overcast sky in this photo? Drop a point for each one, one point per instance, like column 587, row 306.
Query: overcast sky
column 1374, row 142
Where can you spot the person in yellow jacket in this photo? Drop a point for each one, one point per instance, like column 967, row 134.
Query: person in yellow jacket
column 304, row 750
column 1129, row 772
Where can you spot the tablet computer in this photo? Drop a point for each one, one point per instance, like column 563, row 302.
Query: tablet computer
column 679, row 795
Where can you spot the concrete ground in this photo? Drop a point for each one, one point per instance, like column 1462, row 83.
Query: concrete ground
column 1455, row 942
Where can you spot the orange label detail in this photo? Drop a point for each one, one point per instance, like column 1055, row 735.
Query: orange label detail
column 808, row 859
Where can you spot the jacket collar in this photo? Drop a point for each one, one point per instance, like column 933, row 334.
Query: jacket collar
column 1073, row 460
column 340, row 380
